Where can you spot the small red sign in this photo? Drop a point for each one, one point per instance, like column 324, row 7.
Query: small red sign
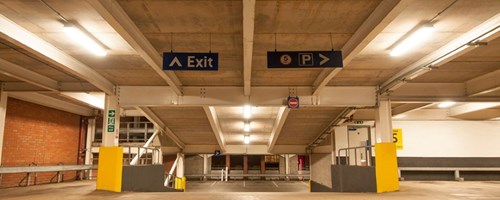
column 293, row 102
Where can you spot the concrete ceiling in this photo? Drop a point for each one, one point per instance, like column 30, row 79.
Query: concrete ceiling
column 137, row 32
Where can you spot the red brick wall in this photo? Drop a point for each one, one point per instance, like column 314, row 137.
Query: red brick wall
column 39, row 134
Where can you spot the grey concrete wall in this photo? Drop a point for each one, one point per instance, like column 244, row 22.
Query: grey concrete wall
column 321, row 175
column 193, row 164
column 353, row 178
column 143, row 178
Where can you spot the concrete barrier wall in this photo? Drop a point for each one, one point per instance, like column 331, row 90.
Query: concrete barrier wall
column 321, row 175
column 147, row 178
column 353, row 178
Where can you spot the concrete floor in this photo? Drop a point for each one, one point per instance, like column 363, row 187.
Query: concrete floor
column 409, row 190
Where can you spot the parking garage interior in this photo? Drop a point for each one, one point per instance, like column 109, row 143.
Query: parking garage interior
column 244, row 99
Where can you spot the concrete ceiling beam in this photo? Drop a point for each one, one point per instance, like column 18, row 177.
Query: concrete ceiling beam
column 483, row 84
column 380, row 18
column 248, row 37
column 117, row 18
column 470, row 107
column 152, row 117
column 278, row 125
column 51, row 102
column 214, row 123
column 28, row 76
column 484, row 32
column 409, row 107
column 30, row 42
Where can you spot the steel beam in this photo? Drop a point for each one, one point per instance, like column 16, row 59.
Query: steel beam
column 380, row 18
column 232, row 96
column 278, row 125
column 248, row 35
column 44, row 100
column 214, row 123
column 117, row 18
column 151, row 116
column 21, row 37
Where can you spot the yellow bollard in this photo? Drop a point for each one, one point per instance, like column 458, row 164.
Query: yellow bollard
column 184, row 183
column 178, row 183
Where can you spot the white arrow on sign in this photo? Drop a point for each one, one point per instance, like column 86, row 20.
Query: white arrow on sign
column 175, row 61
column 324, row 59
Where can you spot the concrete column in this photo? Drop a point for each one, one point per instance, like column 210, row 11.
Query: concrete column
column 334, row 147
column 180, row 165
column 88, row 144
column 287, row 166
column 383, row 122
column 205, row 166
column 263, row 166
column 228, row 163
column 111, row 123
column 245, row 165
column 3, row 113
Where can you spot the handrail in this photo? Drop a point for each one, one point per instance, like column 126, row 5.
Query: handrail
column 347, row 150
column 154, row 151
column 51, row 168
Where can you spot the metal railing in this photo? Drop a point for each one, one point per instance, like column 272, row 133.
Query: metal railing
column 150, row 155
column 130, row 132
column 33, row 169
column 27, row 177
column 363, row 162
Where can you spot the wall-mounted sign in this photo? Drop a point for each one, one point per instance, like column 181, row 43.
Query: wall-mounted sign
column 293, row 102
column 397, row 138
column 111, row 120
column 304, row 59
column 191, row 61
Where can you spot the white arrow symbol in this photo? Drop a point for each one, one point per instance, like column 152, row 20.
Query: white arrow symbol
column 175, row 61
column 324, row 59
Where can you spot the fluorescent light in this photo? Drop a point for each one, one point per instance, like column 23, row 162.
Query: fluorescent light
column 84, row 40
column 246, row 126
column 446, row 104
column 413, row 40
column 246, row 139
column 247, row 111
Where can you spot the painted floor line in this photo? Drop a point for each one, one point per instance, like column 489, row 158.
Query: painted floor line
column 304, row 183
column 275, row 184
column 215, row 182
column 243, row 183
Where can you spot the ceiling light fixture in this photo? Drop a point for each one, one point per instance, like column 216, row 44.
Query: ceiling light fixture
column 78, row 36
column 247, row 111
column 413, row 40
column 400, row 116
column 446, row 104
column 246, row 127
column 246, row 139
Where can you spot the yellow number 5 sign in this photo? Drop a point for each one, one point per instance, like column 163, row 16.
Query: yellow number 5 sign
column 397, row 137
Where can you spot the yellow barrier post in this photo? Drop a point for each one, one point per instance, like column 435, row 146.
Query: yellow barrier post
column 184, row 183
column 386, row 168
column 109, row 176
